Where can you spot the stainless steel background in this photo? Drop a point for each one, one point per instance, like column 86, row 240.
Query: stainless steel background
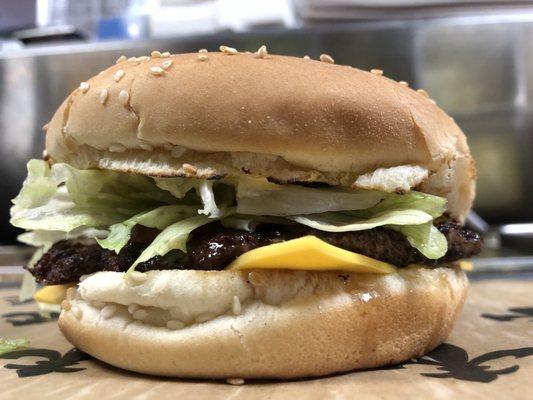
column 479, row 69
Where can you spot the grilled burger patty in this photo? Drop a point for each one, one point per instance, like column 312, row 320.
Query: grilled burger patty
column 213, row 247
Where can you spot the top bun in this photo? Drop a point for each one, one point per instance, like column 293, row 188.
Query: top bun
column 286, row 118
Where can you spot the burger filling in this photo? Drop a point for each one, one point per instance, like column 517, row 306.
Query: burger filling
column 86, row 221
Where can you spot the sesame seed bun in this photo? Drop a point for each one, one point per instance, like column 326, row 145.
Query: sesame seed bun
column 289, row 324
column 212, row 114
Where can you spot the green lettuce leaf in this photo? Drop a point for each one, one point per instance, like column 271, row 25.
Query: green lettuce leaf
column 339, row 222
column 7, row 345
column 38, row 187
column 413, row 200
column 173, row 237
column 259, row 197
column 160, row 218
column 425, row 238
column 63, row 198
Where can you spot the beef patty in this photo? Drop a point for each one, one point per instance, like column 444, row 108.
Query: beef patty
column 213, row 247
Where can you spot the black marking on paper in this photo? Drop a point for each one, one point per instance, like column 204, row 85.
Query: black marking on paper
column 53, row 361
column 27, row 318
column 454, row 362
column 14, row 300
column 514, row 313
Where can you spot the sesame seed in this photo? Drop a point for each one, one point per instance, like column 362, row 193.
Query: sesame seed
column 235, row 381
column 123, row 97
column 108, row 311
column 103, row 96
column 121, row 59
column 167, row 64
column 146, row 146
column 71, row 293
column 44, row 154
column 155, row 54
column 404, row 83
column 261, row 52
column 76, row 311
column 423, row 92
column 177, row 151
column 172, row 324
column 228, row 50
column 133, row 307
column 165, row 54
column 432, row 101
column 307, row 58
column 202, row 51
column 140, row 314
column 84, row 87
column 236, row 306
column 327, row 59
column 204, row 317
column 136, row 277
column 189, row 169
column 132, row 59
column 101, row 72
column 45, row 127
column 376, row 71
column 117, row 148
column 65, row 305
column 142, row 58
column 157, row 71
column 202, row 56
column 118, row 75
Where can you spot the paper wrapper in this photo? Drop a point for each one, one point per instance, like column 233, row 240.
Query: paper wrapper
column 489, row 355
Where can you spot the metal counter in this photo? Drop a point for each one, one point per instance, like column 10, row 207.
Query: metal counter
column 479, row 69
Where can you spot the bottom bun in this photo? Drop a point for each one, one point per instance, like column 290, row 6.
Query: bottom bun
column 262, row 324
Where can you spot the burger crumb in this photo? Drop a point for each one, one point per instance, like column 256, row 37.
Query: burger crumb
column 235, row 381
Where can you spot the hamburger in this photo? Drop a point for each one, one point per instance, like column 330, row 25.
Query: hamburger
column 226, row 214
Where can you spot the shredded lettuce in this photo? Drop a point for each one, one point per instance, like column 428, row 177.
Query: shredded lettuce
column 63, row 198
column 62, row 202
column 28, row 287
column 413, row 200
column 259, row 197
column 7, row 345
column 39, row 186
column 160, row 218
column 425, row 238
column 173, row 237
column 338, row 222
column 205, row 190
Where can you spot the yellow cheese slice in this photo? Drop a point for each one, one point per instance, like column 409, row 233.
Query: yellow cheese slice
column 466, row 265
column 53, row 294
column 309, row 253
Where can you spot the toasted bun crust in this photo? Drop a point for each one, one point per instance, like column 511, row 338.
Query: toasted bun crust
column 280, row 117
column 333, row 322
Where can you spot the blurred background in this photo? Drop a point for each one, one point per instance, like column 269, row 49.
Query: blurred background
column 475, row 58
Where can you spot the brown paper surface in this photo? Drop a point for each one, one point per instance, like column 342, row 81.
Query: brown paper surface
column 489, row 355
